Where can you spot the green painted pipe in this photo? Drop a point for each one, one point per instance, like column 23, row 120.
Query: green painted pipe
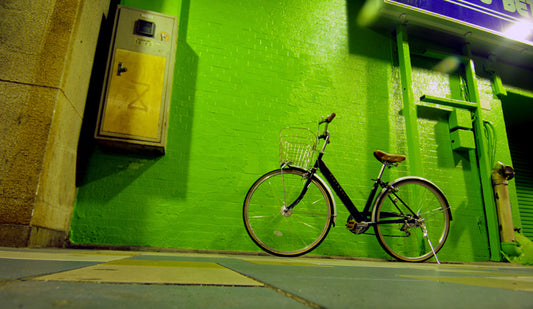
column 409, row 105
column 483, row 159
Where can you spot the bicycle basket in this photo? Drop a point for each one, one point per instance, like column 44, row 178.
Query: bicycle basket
column 297, row 147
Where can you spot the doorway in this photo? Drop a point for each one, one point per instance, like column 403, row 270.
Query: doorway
column 518, row 112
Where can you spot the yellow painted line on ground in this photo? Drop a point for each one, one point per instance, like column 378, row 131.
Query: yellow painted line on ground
column 511, row 283
column 61, row 256
column 162, row 263
column 485, row 273
column 289, row 263
column 155, row 272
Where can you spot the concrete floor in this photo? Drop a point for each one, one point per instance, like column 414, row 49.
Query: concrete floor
column 66, row 278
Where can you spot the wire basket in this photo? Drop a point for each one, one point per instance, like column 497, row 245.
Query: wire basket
column 297, row 147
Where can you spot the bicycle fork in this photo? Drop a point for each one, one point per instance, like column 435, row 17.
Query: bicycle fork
column 287, row 210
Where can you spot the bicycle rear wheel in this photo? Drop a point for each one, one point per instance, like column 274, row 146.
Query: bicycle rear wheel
column 294, row 233
column 412, row 220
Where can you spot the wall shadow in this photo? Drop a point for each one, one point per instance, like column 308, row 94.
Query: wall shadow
column 376, row 47
column 182, row 107
column 86, row 142
column 363, row 40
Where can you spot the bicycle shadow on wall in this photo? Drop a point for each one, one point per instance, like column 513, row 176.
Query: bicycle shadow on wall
column 463, row 194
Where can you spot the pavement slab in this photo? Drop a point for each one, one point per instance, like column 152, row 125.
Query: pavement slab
column 155, row 272
column 52, row 278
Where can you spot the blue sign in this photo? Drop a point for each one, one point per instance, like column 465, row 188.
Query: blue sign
column 510, row 18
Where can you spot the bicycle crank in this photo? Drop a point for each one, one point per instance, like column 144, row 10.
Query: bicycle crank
column 356, row 227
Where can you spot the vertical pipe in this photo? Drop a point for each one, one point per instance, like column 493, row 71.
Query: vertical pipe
column 483, row 159
column 409, row 105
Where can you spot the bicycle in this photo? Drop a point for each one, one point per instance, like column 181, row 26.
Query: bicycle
column 289, row 211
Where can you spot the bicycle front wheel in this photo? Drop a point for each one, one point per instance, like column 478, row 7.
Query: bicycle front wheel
column 291, row 233
column 412, row 219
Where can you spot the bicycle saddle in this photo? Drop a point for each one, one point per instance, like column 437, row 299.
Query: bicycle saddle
column 384, row 157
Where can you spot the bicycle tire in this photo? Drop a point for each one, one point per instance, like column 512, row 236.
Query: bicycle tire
column 405, row 240
column 293, row 234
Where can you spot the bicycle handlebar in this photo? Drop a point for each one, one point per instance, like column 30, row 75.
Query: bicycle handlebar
column 328, row 119
column 325, row 134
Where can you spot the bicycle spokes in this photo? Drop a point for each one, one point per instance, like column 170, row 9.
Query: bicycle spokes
column 277, row 227
column 404, row 233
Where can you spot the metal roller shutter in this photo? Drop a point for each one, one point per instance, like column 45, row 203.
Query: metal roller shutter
column 524, row 184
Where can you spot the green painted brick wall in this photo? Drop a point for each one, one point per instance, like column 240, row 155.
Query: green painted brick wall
column 245, row 69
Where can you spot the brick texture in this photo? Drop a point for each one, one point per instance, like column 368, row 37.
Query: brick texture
column 244, row 70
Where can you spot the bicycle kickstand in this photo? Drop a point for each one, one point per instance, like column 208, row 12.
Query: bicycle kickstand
column 425, row 231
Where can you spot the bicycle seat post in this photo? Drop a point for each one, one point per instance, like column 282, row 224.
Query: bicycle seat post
column 381, row 171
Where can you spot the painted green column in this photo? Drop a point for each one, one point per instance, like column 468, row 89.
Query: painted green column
column 483, row 159
column 409, row 105
column 411, row 120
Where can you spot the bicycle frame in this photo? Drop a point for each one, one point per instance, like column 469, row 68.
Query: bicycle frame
column 406, row 204
column 341, row 193
column 346, row 200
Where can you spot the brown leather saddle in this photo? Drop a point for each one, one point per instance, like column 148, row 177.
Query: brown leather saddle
column 388, row 158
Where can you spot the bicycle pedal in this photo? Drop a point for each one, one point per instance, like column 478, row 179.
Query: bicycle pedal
column 357, row 227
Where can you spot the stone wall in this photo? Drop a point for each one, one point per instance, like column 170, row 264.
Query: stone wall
column 46, row 56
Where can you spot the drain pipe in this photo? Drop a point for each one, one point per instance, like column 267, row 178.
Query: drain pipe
column 501, row 174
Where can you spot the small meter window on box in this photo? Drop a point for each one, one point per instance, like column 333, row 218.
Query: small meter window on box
column 145, row 28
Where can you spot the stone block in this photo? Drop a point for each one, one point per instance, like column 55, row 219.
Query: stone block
column 40, row 237
column 25, row 120
column 80, row 58
column 34, row 40
column 57, row 190
column 14, row 235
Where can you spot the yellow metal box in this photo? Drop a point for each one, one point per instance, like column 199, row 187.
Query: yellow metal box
column 135, row 102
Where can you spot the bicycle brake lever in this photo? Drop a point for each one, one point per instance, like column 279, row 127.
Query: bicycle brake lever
column 324, row 136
